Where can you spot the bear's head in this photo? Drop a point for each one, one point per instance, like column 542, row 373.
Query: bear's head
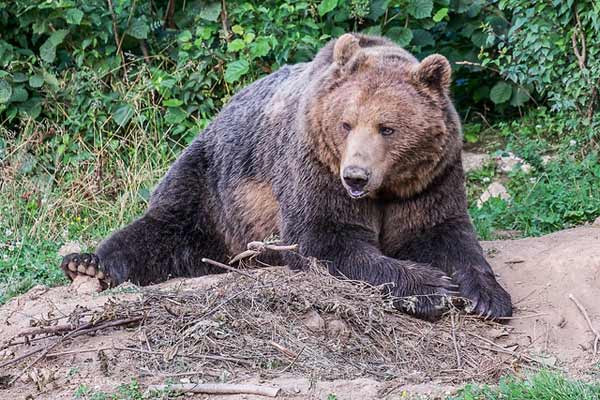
column 382, row 120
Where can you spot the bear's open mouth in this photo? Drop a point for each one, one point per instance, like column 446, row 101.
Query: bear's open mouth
column 357, row 194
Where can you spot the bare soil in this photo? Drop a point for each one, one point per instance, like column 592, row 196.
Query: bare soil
column 309, row 334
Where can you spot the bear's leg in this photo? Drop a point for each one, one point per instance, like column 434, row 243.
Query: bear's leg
column 350, row 251
column 453, row 248
column 148, row 251
column 170, row 240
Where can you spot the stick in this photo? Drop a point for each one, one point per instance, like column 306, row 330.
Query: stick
column 255, row 248
column 224, row 21
column 118, row 41
column 458, row 359
column 588, row 320
column 260, row 246
column 228, row 268
column 219, row 388
column 46, row 329
column 78, row 332
column 287, row 352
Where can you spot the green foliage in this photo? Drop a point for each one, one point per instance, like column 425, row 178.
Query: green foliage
column 559, row 192
column 551, row 51
column 91, row 117
column 64, row 58
column 129, row 391
column 541, row 386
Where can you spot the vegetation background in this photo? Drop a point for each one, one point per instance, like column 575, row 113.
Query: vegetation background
column 98, row 97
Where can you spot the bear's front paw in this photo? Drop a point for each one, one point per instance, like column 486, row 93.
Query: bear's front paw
column 85, row 264
column 488, row 299
column 425, row 292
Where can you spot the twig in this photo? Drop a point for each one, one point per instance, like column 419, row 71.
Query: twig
column 21, row 357
column 260, row 246
column 255, row 248
column 228, row 268
column 78, row 332
column 48, row 329
column 169, row 23
column 454, row 342
column 578, row 36
column 588, row 320
column 293, row 362
column 243, row 255
column 219, row 388
column 287, row 352
column 521, row 317
column 224, row 21
column 117, row 39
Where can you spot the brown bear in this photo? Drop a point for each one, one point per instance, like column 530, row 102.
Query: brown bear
column 354, row 156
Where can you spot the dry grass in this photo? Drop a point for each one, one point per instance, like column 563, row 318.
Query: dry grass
column 308, row 323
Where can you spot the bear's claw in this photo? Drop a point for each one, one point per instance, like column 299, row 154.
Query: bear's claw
column 487, row 298
column 86, row 264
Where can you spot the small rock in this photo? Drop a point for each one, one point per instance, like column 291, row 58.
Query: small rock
column 474, row 161
column 596, row 222
column 547, row 158
column 69, row 248
column 86, row 285
column 313, row 321
column 494, row 190
column 508, row 163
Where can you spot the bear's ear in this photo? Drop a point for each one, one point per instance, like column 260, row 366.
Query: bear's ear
column 434, row 71
column 345, row 47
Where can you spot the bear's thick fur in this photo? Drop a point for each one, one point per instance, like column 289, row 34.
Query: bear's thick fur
column 354, row 156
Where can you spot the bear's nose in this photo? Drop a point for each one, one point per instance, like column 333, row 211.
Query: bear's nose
column 356, row 177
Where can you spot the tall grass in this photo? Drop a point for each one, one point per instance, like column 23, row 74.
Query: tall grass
column 57, row 187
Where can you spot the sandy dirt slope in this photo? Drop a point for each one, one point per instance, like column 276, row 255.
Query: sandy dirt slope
column 540, row 273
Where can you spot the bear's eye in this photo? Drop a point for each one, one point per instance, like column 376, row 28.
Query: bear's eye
column 346, row 126
column 385, row 131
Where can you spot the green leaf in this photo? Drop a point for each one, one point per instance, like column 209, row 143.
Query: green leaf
column 19, row 77
column 236, row 45
column 32, row 107
column 377, row 9
column 5, row 91
column 48, row 49
column 501, row 92
column 58, row 36
column 440, row 14
column 36, row 81
column 73, row 16
column 235, row 70
column 402, row 36
column 175, row 116
column 172, row 103
column 372, row 30
column 237, row 29
column 185, row 36
column 19, row 95
column 260, row 47
column 422, row 38
column 519, row 97
column 211, row 12
column 139, row 29
column 123, row 115
column 327, row 6
column 420, row 8
column 50, row 79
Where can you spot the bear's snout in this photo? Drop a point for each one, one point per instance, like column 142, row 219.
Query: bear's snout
column 356, row 179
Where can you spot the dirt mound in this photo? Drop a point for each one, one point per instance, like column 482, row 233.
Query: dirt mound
column 308, row 333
